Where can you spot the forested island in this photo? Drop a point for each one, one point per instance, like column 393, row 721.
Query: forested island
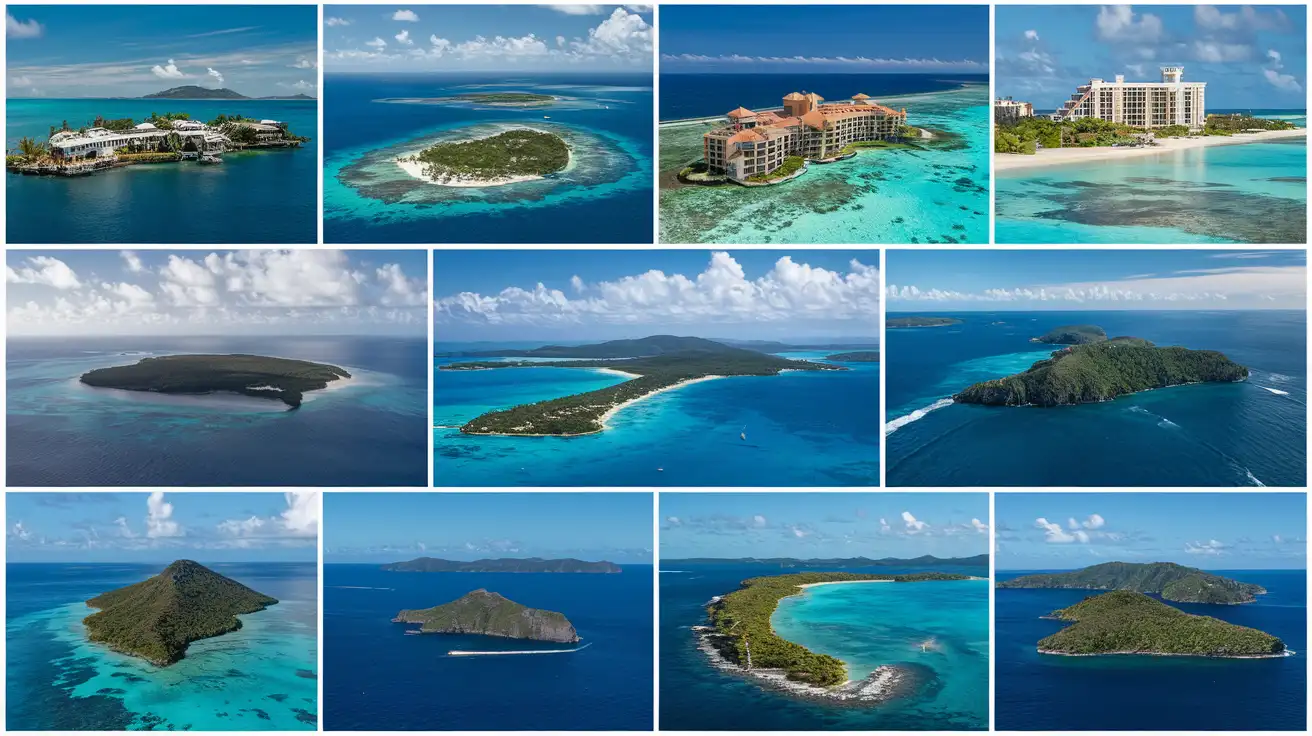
column 508, row 156
column 490, row 614
column 1072, row 335
column 279, row 379
column 1126, row 622
column 896, row 322
column 157, row 618
column 859, row 356
column 527, row 565
column 1171, row 581
column 742, row 633
column 1102, row 371
column 840, row 562
column 696, row 359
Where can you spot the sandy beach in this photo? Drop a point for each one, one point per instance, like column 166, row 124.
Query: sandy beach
column 841, row 582
column 416, row 169
column 1059, row 156
column 615, row 372
column 615, row 409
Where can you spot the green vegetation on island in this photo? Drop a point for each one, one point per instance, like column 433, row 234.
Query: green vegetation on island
column 1171, row 581
column 490, row 614
column 897, row 322
column 1072, row 335
column 1237, row 123
column 791, row 165
column 1126, row 622
column 157, row 618
column 859, row 356
column 832, row 563
column 741, row 621
column 528, row 565
column 280, row 379
column 1103, row 371
column 507, row 99
column 1027, row 135
column 514, row 153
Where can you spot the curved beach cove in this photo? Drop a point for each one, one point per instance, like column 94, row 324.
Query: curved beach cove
column 800, row 427
column 1166, row 437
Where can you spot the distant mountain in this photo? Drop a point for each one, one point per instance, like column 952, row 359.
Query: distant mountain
column 654, row 345
column 193, row 92
column 505, row 564
column 841, row 562
column 1171, row 581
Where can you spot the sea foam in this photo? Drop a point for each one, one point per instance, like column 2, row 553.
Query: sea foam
column 896, row 424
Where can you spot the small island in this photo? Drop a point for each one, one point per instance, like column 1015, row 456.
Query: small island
column 513, row 156
column 859, row 356
column 279, row 379
column 1171, row 581
column 157, row 618
column 1126, row 622
column 1102, row 371
column 507, row 99
column 1072, row 335
column 490, row 614
column 528, row 565
column 903, row 322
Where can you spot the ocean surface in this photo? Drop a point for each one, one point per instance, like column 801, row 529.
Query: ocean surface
column 1037, row 692
column 936, row 192
column 1250, row 193
column 863, row 625
column 377, row 678
column 262, row 677
column 1217, row 434
column 253, row 197
column 804, row 428
column 603, row 197
column 367, row 432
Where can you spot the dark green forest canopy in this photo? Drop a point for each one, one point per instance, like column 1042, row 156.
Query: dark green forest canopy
column 1167, row 579
column 860, row 356
column 512, row 153
column 1123, row 622
column 280, row 379
column 921, row 321
column 1073, row 335
column 490, row 614
column 157, row 618
column 525, row 565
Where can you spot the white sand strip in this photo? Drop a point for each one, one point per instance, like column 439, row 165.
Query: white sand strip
column 605, row 418
column 1059, row 156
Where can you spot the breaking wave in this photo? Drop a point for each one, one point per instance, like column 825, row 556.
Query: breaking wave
column 896, row 424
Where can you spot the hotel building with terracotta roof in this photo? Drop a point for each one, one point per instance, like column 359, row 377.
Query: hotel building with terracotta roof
column 758, row 142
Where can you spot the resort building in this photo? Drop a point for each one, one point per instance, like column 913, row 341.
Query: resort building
column 1007, row 111
column 1171, row 101
column 754, row 143
column 100, row 143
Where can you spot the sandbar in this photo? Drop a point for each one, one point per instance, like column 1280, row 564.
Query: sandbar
column 1059, row 156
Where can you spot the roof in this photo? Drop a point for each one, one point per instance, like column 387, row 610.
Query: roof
column 741, row 112
column 145, row 126
column 860, row 96
column 794, row 96
column 814, row 119
column 813, row 97
column 745, row 136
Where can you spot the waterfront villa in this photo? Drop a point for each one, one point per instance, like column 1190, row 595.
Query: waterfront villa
column 756, row 143
column 1007, row 111
column 1148, row 105
column 99, row 143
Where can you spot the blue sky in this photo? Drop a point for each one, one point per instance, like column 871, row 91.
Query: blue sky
column 1251, row 58
column 205, row 292
column 162, row 527
column 1084, row 280
column 754, row 39
column 823, row 525
column 390, row 527
column 1211, row 531
column 609, row 294
column 130, row 51
column 519, row 38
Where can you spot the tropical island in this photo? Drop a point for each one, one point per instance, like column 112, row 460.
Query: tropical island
column 193, row 92
column 523, row 100
column 859, row 356
column 903, row 322
column 1170, row 581
column 279, row 379
column 1072, row 335
column 1102, row 371
column 528, row 565
column 677, row 361
column 512, row 156
column 840, row 562
column 490, row 614
column 740, row 634
column 157, row 618
column 1126, row 622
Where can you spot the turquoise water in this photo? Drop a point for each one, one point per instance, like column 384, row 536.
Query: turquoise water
column 1249, row 193
column 803, row 428
column 868, row 625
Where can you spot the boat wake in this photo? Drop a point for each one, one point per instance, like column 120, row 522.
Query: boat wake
column 1162, row 421
column 896, row 424
column 459, row 653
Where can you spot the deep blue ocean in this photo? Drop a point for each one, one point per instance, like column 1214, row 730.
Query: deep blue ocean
column 863, row 625
column 253, row 197
column 1217, row 434
column 686, row 96
column 370, row 431
column 262, row 677
column 604, row 197
column 803, row 428
column 1048, row 693
column 377, row 678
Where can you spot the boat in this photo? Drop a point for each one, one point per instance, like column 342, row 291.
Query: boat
column 546, row 117
column 210, row 158
column 743, row 434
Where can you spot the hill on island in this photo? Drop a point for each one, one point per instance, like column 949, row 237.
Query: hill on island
column 842, row 562
column 279, row 379
column 526, row 565
column 194, row 92
column 490, row 614
column 1171, row 581
column 157, row 618
column 1073, row 335
column 1126, row 622
column 645, row 347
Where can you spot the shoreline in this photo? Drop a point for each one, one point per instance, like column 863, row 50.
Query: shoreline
column 415, row 169
column 1055, row 653
column 1071, row 156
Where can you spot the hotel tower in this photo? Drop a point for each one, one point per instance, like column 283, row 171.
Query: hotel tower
column 1171, row 101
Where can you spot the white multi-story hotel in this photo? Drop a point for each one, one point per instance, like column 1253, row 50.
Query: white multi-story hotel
column 1171, row 101
column 1006, row 110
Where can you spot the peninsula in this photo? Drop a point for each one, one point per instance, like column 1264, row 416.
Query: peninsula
column 527, row 565
column 903, row 322
column 1072, row 335
column 671, row 362
column 516, row 155
column 489, row 614
column 860, row 356
column 840, row 563
column 279, row 379
column 1102, row 371
column 157, row 618
column 1126, row 622
column 1171, row 581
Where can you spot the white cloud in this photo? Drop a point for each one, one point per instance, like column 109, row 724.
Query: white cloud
column 912, row 523
column 45, row 271
column 980, row 526
column 377, row 43
column 758, row 521
column 577, row 284
column 305, row 63
column 15, row 28
column 1219, row 52
column 577, row 9
column 1210, row 547
column 132, row 261
column 21, row 81
column 1031, row 35
column 884, row 528
column 673, row 520
column 19, row 532
column 799, row 532
column 214, row 73
column 1117, row 23
column 407, row 16
column 1284, row 82
column 1054, row 534
column 622, row 35
column 403, row 38
column 400, row 289
column 169, row 71
column 334, row 21
column 159, row 518
column 1247, row 19
column 124, row 530
column 304, row 509
column 1094, row 522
